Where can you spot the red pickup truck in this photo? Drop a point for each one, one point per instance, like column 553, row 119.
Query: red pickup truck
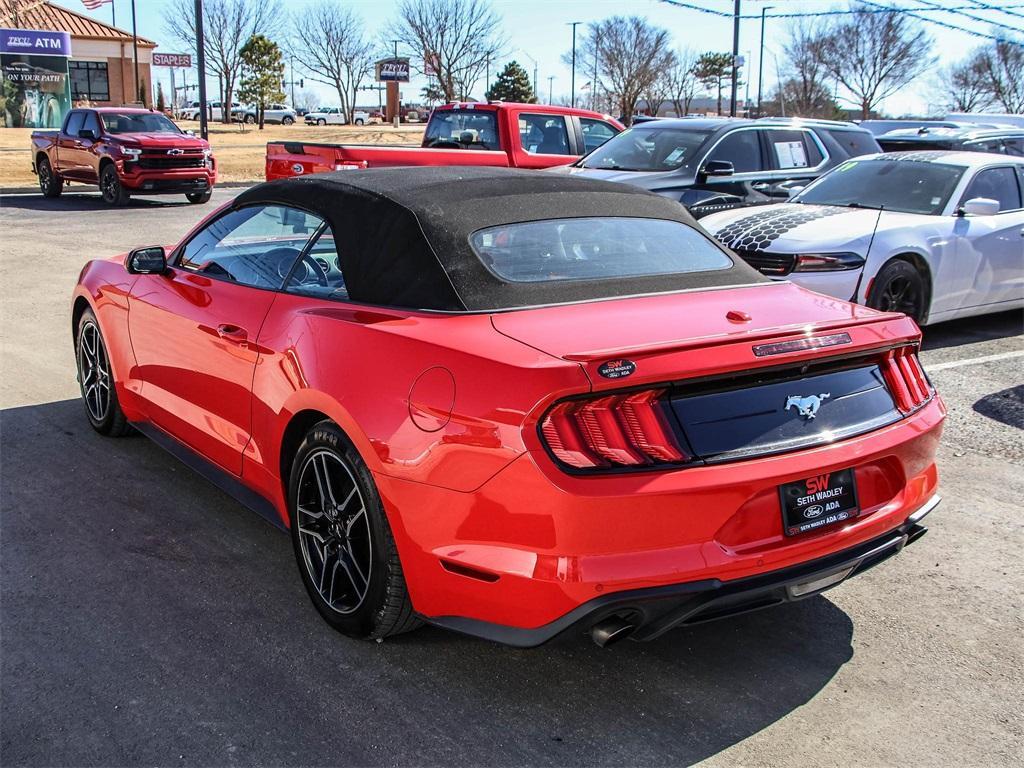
column 493, row 134
column 123, row 151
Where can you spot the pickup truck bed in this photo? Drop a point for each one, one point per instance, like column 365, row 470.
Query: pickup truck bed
column 495, row 134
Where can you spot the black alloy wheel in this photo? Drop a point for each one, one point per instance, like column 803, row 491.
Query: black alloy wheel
column 49, row 183
column 343, row 544
column 96, row 381
column 111, row 189
column 899, row 287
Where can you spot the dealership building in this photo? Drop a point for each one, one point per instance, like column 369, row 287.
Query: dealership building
column 53, row 58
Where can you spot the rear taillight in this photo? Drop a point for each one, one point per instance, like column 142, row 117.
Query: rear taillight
column 612, row 431
column 906, row 379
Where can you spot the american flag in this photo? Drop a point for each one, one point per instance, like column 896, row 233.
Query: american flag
column 92, row 5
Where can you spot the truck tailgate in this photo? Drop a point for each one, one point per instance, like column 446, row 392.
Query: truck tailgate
column 297, row 158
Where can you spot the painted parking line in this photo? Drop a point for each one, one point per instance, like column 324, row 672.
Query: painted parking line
column 974, row 361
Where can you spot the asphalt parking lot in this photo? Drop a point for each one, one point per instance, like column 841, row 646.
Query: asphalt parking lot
column 146, row 618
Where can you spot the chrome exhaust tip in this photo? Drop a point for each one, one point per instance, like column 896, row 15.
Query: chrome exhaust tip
column 611, row 630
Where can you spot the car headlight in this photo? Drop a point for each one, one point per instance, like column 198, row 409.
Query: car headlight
column 207, row 153
column 131, row 153
column 828, row 262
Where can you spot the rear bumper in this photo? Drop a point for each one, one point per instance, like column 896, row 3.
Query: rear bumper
column 653, row 611
column 533, row 544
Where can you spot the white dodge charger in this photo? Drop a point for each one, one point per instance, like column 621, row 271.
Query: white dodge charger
column 937, row 235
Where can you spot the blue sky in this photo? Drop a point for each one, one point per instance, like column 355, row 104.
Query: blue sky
column 538, row 30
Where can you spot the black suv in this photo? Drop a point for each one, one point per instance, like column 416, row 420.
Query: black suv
column 710, row 164
column 1002, row 141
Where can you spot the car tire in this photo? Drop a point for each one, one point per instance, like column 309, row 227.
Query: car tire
column 50, row 184
column 360, row 121
column 250, row 119
column 345, row 553
column 198, row 198
column 321, row 121
column 899, row 287
column 111, row 189
column 287, row 120
column 96, row 380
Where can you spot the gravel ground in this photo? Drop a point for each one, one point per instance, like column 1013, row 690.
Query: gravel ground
column 146, row 618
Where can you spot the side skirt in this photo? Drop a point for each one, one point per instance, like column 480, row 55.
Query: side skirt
column 223, row 480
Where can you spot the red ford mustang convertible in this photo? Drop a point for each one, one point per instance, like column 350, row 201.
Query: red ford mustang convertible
column 515, row 404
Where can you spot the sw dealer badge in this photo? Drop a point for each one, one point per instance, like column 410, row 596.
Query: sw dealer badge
column 616, row 369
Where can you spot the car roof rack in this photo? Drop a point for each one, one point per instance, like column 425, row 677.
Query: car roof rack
column 809, row 121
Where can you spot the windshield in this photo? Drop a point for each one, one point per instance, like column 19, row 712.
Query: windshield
column 595, row 248
column 137, row 122
column 648, row 149
column 467, row 128
column 908, row 186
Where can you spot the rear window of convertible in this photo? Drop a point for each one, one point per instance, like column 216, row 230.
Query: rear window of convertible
column 594, row 248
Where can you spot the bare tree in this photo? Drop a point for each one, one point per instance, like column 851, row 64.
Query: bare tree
column 805, row 86
column 967, row 84
column 629, row 55
column 330, row 45
column 227, row 25
column 659, row 88
column 456, row 39
column 1003, row 66
column 874, row 55
column 306, row 100
column 802, row 99
column 682, row 82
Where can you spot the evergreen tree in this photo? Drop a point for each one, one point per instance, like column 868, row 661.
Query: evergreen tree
column 262, row 74
column 161, row 105
column 512, row 84
column 714, row 69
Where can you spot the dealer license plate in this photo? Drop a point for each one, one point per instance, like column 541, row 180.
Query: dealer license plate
column 823, row 500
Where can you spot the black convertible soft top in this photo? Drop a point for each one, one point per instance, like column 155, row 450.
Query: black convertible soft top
column 403, row 233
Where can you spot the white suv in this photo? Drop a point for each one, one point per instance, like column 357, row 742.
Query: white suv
column 335, row 116
column 274, row 113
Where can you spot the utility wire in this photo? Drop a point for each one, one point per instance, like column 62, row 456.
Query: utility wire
column 834, row 12
column 971, row 16
column 877, row 8
column 1001, row 9
column 946, row 24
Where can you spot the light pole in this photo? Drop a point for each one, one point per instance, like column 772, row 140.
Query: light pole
column 572, row 98
column 534, row 61
column 551, row 85
column 204, row 129
column 760, row 62
column 735, row 55
column 746, row 97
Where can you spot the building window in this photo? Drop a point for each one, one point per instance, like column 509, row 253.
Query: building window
column 89, row 80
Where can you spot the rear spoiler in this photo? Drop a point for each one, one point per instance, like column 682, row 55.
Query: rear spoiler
column 778, row 334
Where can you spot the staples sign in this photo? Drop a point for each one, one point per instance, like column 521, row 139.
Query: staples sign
column 183, row 60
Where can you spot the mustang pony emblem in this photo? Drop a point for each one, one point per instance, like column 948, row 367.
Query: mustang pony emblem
column 806, row 406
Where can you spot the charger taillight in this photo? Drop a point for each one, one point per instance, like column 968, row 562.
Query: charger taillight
column 621, row 430
column 906, row 379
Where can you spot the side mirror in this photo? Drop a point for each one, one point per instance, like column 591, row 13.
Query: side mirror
column 190, row 132
column 87, row 133
column 979, row 206
column 717, row 168
column 147, row 261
